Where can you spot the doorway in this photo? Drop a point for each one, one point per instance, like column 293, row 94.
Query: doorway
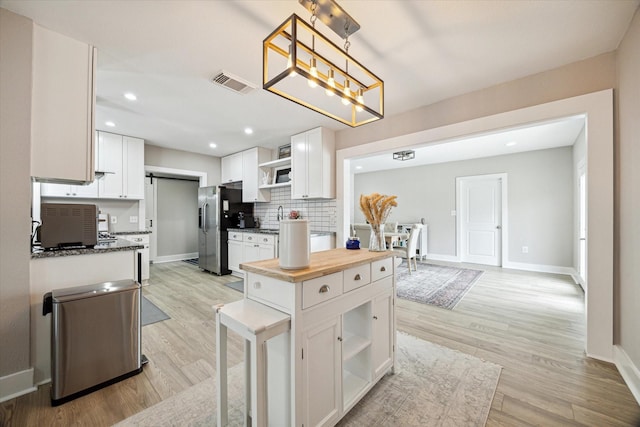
column 582, row 226
column 481, row 211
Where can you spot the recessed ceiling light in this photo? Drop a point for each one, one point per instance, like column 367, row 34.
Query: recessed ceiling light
column 510, row 143
column 248, row 131
column 110, row 124
column 213, row 145
column 130, row 96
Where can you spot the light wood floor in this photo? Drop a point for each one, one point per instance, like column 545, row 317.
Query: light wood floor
column 531, row 324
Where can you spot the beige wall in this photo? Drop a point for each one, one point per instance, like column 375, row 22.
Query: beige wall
column 15, row 190
column 176, row 159
column 627, row 212
column 578, row 78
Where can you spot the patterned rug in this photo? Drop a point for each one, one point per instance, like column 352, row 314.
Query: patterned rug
column 438, row 285
column 432, row 386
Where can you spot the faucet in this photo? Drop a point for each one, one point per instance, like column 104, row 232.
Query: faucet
column 280, row 213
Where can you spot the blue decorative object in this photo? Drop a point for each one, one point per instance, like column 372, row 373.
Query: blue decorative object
column 353, row 243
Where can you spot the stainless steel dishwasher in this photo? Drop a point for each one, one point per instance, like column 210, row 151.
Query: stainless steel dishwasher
column 95, row 337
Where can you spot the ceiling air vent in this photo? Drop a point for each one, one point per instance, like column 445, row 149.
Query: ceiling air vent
column 232, row 82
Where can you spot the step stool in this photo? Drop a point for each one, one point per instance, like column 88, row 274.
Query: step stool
column 256, row 323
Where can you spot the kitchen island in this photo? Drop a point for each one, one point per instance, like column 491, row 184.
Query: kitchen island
column 66, row 269
column 342, row 337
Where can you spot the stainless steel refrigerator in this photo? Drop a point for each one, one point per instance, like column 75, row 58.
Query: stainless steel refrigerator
column 219, row 209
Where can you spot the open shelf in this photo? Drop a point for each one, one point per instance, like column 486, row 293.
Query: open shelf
column 286, row 161
column 280, row 184
column 353, row 344
column 352, row 386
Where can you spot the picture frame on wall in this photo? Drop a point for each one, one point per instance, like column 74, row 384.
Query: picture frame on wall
column 284, row 151
column 282, row 175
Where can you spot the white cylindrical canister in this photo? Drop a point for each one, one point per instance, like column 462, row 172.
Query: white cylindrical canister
column 295, row 244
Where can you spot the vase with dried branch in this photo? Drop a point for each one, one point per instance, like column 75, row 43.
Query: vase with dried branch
column 376, row 209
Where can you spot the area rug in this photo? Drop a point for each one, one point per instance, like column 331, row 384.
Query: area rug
column 432, row 386
column 238, row 285
column 150, row 313
column 438, row 285
column 193, row 261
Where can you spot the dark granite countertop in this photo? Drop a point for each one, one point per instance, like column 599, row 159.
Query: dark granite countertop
column 100, row 248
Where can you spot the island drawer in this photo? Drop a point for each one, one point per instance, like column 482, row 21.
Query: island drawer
column 236, row 236
column 321, row 289
column 356, row 277
column 381, row 268
column 272, row 292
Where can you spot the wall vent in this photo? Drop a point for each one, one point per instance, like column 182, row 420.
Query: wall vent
column 231, row 82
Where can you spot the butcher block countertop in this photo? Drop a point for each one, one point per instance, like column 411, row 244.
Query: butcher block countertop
column 322, row 263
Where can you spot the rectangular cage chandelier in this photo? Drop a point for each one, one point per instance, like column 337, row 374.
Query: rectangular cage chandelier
column 303, row 66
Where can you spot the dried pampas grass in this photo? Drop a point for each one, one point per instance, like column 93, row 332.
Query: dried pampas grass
column 377, row 207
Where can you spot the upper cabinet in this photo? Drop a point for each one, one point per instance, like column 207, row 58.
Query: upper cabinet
column 313, row 164
column 231, row 168
column 62, row 108
column 251, row 176
column 64, row 190
column 121, row 158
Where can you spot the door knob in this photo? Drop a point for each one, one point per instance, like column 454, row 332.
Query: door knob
column 498, row 227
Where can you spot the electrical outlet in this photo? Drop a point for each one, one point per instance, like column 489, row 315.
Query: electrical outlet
column 133, row 219
column 114, row 219
column 525, row 249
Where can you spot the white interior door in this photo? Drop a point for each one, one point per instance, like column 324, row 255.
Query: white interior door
column 480, row 223
column 151, row 216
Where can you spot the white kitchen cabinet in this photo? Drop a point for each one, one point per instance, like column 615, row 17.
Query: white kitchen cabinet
column 343, row 329
column 247, row 247
column 121, row 158
column 313, row 164
column 321, row 373
column 231, row 168
column 141, row 239
column 63, row 190
column 234, row 251
column 251, row 176
column 62, row 108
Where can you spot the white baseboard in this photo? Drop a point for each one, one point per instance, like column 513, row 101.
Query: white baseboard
column 540, row 268
column 437, row 257
column 16, row 384
column 630, row 373
column 176, row 257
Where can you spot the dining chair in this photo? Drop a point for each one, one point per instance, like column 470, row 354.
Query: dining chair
column 410, row 250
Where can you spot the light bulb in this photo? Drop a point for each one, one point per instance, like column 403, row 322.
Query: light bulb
column 360, row 100
column 331, row 82
column 314, row 73
column 292, row 73
column 346, row 93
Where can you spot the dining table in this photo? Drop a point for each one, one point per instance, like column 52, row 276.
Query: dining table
column 393, row 238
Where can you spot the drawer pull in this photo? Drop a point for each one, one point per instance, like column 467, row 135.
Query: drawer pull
column 249, row 238
column 383, row 268
column 340, row 339
column 323, row 289
column 256, row 285
column 375, row 317
column 265, row 240
column 357, row 277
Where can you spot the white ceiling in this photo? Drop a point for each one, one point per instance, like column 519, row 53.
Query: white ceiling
column 557, row 133
column 166, row 51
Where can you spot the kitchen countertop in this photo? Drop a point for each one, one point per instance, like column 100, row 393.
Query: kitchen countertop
column 277, row 231
column 125, row 233
column 321, row 264
column 100, row 248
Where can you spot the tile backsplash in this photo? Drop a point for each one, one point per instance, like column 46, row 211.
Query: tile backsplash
column 320, row 213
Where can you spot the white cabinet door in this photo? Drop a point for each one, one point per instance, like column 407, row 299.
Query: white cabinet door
column 235, row 255
column 321, row 373
column 110, row 162
column 382, row 342
column 62, row 107
column 251, row 175
column 133, row 165
column 87, row 191
column 313, row 164
column 299, row 166
column 231, row 168
column 266, row 252
column 141, row 239
column 55, row 190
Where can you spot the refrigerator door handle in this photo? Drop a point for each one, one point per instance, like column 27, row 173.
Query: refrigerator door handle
column 204, row 217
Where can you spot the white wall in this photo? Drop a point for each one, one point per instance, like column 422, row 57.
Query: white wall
column 540, row 201
column 176, row 159
column 628, row 201
column 177, row 227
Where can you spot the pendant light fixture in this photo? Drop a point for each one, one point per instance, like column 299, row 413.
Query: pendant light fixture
column 291, row 50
